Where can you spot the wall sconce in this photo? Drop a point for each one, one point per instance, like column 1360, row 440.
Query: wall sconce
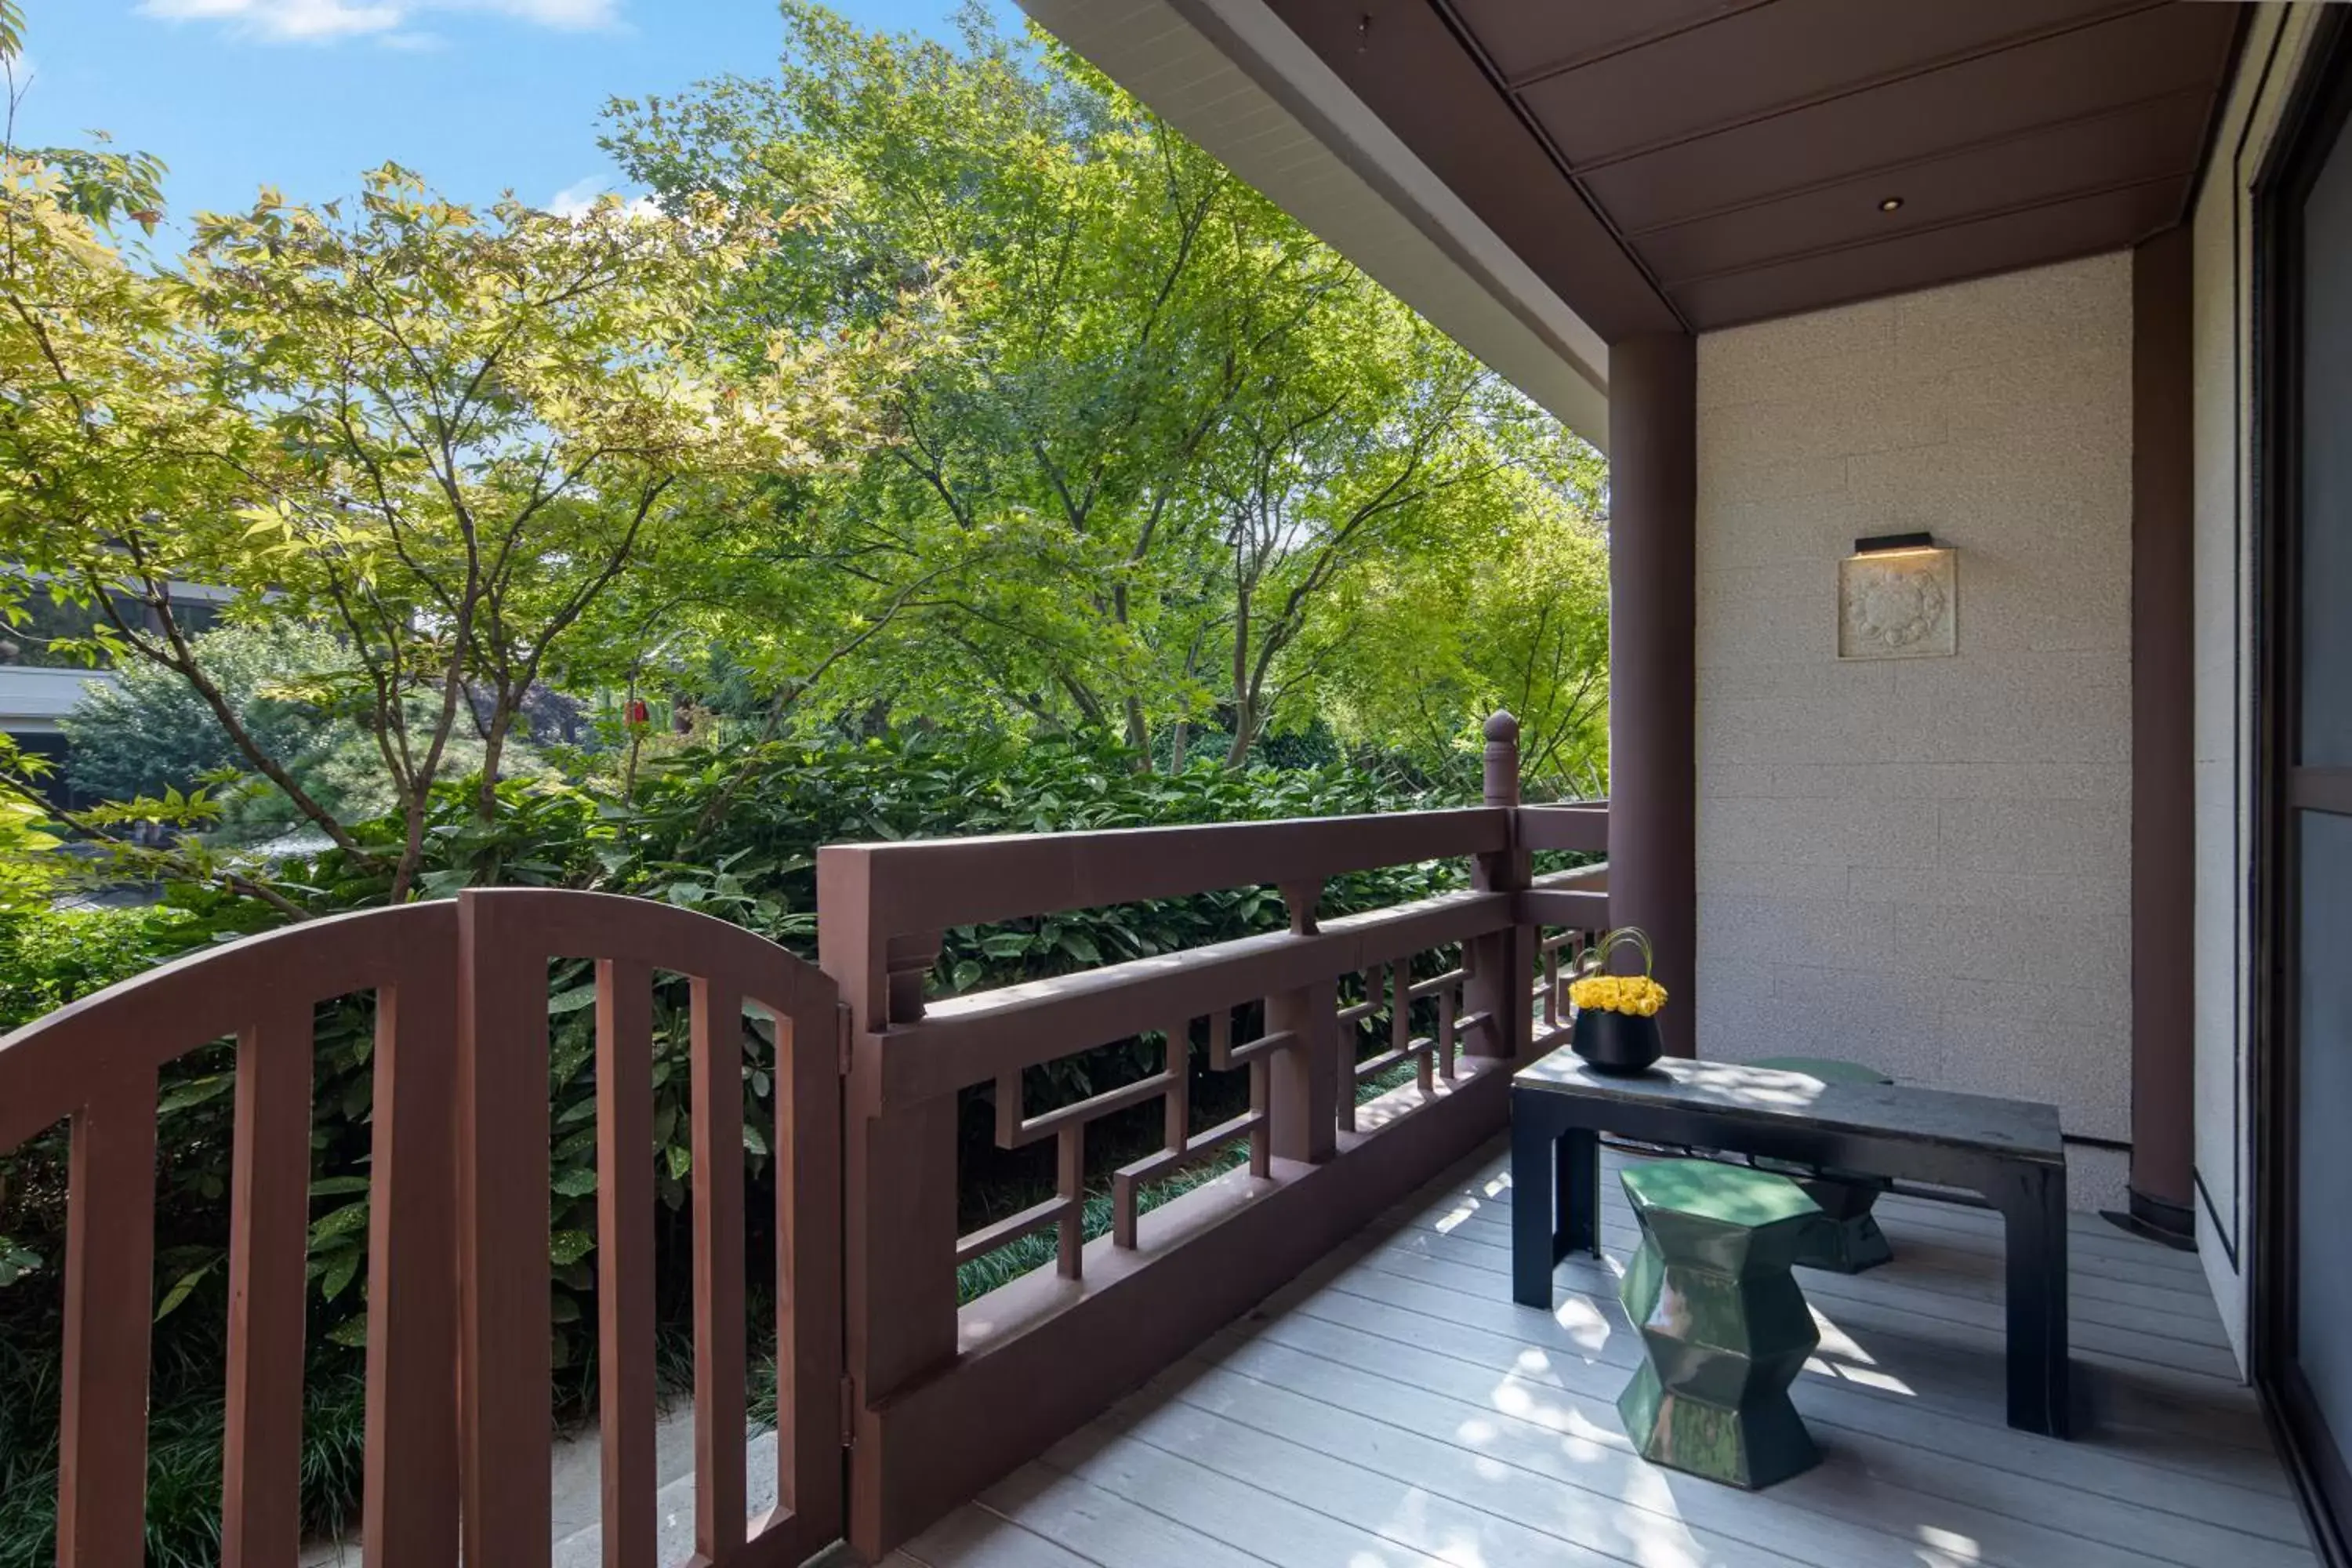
column 1899, row 597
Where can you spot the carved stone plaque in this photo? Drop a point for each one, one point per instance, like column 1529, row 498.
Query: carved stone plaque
column 1901, row 604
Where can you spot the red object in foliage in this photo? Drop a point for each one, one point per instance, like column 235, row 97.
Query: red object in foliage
column 637, row 714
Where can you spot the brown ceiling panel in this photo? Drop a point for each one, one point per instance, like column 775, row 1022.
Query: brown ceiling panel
column 2148, row 141
column 2002, row 243
column 1526, row 37
column 1403, row 61
column 1759, row 61
column 2088, row 70
column 1740, row 150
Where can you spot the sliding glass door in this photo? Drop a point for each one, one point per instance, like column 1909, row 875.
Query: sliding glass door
column 2305, row 1357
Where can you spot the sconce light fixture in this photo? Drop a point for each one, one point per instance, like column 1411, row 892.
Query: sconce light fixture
column 1899, row 597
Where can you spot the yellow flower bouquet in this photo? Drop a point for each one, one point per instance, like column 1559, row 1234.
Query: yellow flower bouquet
column 1616, row 1027
column 1635, row 993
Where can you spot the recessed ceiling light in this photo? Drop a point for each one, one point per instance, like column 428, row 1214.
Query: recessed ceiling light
column 1891, row 203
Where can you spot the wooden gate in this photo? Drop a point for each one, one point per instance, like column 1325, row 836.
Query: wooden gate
column 506, row 939
column 458, row 1309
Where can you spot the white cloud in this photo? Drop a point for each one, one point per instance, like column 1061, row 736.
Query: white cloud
column 576, row 199
column 298, row 21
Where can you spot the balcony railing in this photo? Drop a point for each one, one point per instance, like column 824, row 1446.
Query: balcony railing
column 894, row 1403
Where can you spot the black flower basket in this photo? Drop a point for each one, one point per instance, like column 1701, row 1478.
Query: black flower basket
column 1612, row 1042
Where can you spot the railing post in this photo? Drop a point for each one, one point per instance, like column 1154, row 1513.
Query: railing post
column 410, row 1503
column 1303, row 1085
column 898, row 1191
column 1501, row 966
column 503, row 1122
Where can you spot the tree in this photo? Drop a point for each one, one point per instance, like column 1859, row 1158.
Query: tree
column 1417, row 647
column 447, row 438
column 1172, row 420
column 1398, row 449
column 150, row 731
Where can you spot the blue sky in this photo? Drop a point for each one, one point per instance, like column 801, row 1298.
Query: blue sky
column 477, row 95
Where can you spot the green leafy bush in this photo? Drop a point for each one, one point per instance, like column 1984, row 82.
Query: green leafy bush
column 49, row 956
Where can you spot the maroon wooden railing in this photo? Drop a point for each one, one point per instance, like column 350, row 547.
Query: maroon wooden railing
column 937, row 1400
column 96, row 1062
column 507, row 939
column 458, row 1262
column 1036, row 1357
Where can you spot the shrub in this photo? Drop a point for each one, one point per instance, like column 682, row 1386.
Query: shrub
column 49, row 957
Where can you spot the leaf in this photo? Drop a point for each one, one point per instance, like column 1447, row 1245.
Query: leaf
column 574, row 1184
column 351, row 1332
column 194, row 1092
column 570, row 1245
column 182, row 1287
column 573, row 1000
column 15, row 1261
column 338, row 1186
column 1080, row 946
column 562, row 1307
column 342, row 1222
column 681, row 1160
column 339, row 1274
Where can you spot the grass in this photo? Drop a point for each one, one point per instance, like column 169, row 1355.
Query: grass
column 186, row 1412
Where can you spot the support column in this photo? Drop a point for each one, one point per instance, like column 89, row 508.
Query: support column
column 1653, row 676
column 1502, row 963
column 2163, row 1127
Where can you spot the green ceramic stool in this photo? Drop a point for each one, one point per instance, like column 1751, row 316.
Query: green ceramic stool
column 1724, row 1327
column 1852, row 1242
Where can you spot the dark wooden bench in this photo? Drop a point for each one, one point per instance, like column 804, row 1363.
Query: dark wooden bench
column 2008, row 1151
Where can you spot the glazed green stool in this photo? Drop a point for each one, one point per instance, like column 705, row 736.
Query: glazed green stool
column 1724, row 1330
column 1852, row 1242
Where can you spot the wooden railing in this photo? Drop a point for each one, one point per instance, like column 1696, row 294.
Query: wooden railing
column 96, row 1062
column 932, row 1400
column 507, row 939
column 457, row 1239
column 1036, row 1357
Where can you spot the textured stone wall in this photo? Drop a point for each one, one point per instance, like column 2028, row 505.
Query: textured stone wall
column 1925, row 863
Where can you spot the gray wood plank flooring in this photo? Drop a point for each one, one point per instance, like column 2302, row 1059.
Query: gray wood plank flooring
column 1393, row 1407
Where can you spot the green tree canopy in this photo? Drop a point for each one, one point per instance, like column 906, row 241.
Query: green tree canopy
column 442, row 436
column 1171, row 425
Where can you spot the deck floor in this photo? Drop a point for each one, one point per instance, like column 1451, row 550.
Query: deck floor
column 1393, row 1407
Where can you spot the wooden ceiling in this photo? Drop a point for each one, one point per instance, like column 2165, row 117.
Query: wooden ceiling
column 1697, row 163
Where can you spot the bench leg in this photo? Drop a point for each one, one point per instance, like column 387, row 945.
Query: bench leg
column 1576, row 1213
column 2032, row 1203
column 1531, row 1187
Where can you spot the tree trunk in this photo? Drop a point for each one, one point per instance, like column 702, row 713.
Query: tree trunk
column 1244, row 721
column 1177, row 739
column 1138, row 737
column 1244, row 732
column 494, row 751
column 412, row 849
